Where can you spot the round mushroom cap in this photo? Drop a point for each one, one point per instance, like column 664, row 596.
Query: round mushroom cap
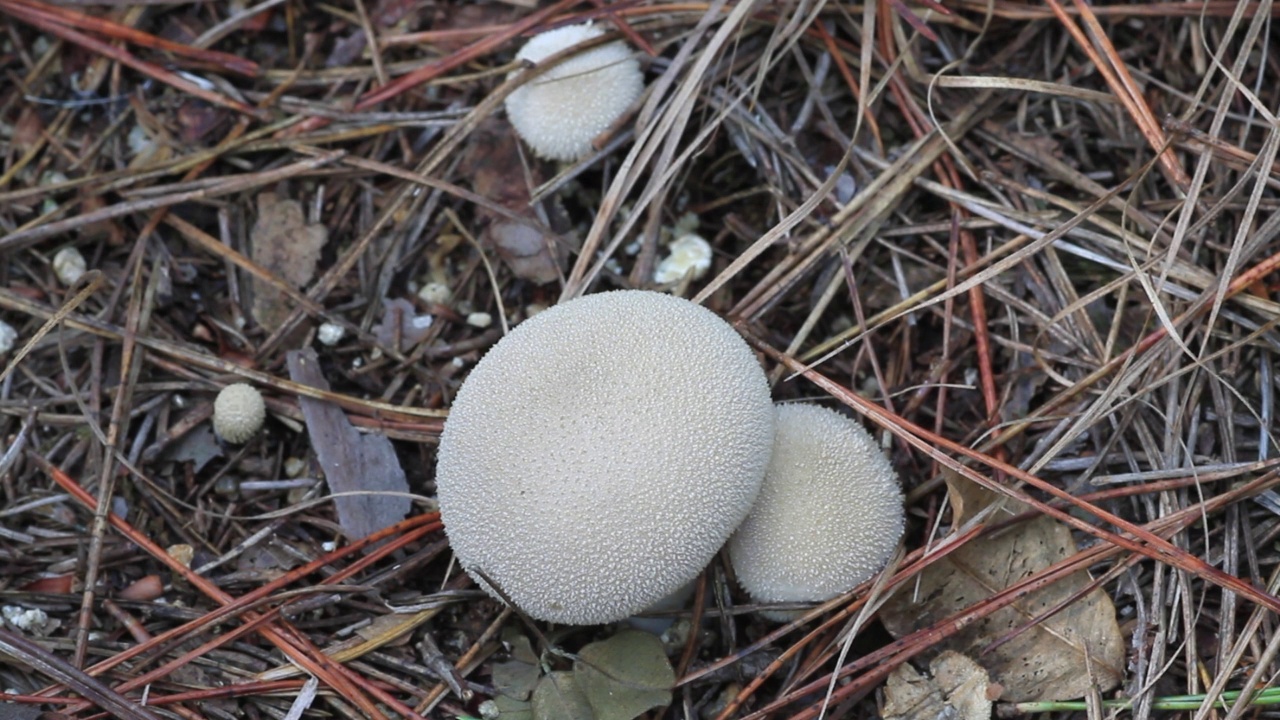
column 560, row 111
column 599, row 455
column 238, row 412
column 829, row 514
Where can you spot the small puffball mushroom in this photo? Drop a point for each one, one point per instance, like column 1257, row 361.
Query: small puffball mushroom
column 599, row 455
column 560, row 111
column 238, row 413
column 829, row 514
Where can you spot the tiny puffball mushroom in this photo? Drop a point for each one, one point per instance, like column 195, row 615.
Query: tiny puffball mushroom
column 828, row 516
column 560, row 111
column 600, row 455
column 238, row 413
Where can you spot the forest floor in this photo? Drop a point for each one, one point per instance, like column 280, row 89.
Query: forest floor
column 1034, row 247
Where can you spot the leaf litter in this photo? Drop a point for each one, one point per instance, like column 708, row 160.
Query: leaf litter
column 955, row 687
column 1018, row 155
column 1075, row 650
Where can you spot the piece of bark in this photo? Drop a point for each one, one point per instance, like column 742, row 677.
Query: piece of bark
column 352, row 462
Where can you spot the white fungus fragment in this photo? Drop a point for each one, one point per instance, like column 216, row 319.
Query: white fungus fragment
column 25, row 619
column 139, row 140
column 238, row 413
column 560, row 111
column 435, row 293
column 330, row 333
column 690, row 255
column 294, row 467
column 480, row 319
column 8, row 337
column 600, row 454
column 69, row 265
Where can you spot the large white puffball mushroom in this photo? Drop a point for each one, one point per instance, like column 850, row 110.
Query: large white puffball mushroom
column 238, row 413
column 560, row 111
column 599, row 455
column 829, row 514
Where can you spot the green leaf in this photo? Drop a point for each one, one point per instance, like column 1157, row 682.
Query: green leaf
column 625, row 675
column 515, row 678
column 558, row 697
column 521, row 649
column 512, row 709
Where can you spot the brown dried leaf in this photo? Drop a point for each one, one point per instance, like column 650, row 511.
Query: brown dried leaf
column 352, row 462
column 1044, row 662
column 958, row 689
column 197, row 119
column 530, row 249
column 286, row 245
column 101, row 230
column 28, row 129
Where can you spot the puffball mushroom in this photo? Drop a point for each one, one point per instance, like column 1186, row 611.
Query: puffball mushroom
column 598, row 456
column 238, row 413
column 829, row 514
column 560, row 111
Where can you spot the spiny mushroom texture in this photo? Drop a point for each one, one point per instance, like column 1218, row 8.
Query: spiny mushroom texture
column 560, row 111
column 238, row 412
column 599, row 456
column 829, row 514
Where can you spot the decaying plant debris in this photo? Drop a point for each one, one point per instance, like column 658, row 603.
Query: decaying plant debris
column 1034, row 245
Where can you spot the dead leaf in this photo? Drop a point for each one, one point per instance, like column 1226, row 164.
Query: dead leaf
column 957, row 690
column 529, row 248
column 101, row 230
column 515, row 679
column 196, row 119
column 1044, row 662
column 352, row 462
column 269, row 559
column 28, row 129
column 197, row 447
column 558, row 697
column 625, row 675
column 507, row 708
column 286, row 245
column 909, row 695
